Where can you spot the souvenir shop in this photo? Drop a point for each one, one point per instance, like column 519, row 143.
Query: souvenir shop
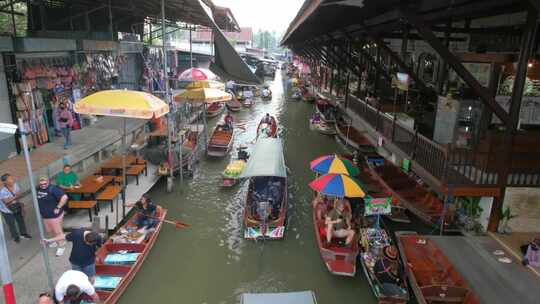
column 40, row 81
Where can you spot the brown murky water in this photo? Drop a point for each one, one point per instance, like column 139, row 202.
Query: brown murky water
column 210, row 263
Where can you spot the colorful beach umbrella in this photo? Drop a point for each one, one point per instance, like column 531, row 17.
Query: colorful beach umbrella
column 196, row 74
column 333, row 164
column 205, row 95
column 122, row 103
column 338, row 185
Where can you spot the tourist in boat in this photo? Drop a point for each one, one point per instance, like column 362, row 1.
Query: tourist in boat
column 12, row 209
column 83, row 253
column 267, row 119
column 532, row 254
column 229, row 121
column 387, row 268
column 338, row 224
column 45, row 298
column 67, row 179
column 322, row 204
column 72, row 285
column 146, row 210
column 51, row 200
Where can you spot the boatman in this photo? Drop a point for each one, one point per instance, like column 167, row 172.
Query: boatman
column 83, row 253
column 146, row 212
column 229, row 121
column 267, row 119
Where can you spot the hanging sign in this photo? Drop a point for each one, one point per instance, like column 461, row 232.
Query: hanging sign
column 378, row 206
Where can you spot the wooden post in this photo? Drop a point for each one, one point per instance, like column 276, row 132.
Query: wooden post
column 505, row 165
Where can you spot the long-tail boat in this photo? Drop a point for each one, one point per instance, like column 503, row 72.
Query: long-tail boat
column 327, row 110
column 234, row 105
column 339, row 260
column 132, row 246
column 432, row 276
column 267, row 129
column 267, row 199
column 221, row 141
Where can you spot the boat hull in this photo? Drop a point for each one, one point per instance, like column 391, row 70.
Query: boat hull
column 432, row 277
column 274, row 229
column 215, row 111
column 339, row 261
column 323, row 128
column 127, row 272
column 220, row 143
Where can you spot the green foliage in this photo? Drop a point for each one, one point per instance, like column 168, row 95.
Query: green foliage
column 266, row 40
column 471, row 205
column 507, row 214
column 6, row 23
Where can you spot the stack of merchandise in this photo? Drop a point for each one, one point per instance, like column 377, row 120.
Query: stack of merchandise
column 30, row 107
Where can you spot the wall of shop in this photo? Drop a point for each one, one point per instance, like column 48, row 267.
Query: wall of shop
column 7, row 142
column 525, row 204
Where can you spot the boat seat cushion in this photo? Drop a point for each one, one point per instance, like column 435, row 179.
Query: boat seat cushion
column 121, row 258
column 106, row 282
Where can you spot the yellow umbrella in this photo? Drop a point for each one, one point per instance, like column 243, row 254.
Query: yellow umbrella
column 205, row 84
column 206, row 95
column 125, row 104
column 122, row 103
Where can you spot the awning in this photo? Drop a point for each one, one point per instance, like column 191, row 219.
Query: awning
column 300, row 297
column 227, row 63
column 266, row 160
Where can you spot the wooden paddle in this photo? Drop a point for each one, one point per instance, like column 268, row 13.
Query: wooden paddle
column 178, row 224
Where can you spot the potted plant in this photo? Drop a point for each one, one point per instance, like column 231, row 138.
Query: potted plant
column 507, row 215
column 472, row 211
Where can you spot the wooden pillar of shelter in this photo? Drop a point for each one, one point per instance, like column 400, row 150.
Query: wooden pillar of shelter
column 42, row 16
column 377, row 75
column 505, row 165
column 443, row 67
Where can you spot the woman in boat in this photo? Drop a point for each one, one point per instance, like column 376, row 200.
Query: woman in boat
column 338, row 224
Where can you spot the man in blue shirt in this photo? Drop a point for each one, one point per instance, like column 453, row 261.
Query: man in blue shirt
column 83, row 254
column 51, row 200
column 11, row 208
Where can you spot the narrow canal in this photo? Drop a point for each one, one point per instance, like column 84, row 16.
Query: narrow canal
column 210, row 262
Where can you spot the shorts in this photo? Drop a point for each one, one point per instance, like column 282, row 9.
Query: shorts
column 53, row 224
column 341, row 233
column 89, row 270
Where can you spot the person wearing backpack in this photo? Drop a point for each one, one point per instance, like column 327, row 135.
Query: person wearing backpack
column 12, row 209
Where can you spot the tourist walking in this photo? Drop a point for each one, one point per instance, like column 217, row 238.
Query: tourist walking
column 72, row 285
column 51, row 201
column 83, row 253
column 12, row 209
column 65, row 121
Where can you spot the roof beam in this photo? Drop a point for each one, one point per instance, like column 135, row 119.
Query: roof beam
column 535, row 4
column 455, row 63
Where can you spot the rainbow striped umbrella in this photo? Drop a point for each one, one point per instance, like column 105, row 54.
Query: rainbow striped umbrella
column 338, row 185
column 333, row 164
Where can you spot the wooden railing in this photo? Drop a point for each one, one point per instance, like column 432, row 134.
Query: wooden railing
column 448, row 164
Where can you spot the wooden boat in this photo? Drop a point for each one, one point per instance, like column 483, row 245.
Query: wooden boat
column 326, row 110
column 350, row 135
column 338, row 259
column 221, row 141
column 233, row 171
column 372, row 258
column 247, row 102
column 134, row 242
column 266, row 95
column 214, row 109
column 411, row 195
column 267, row 198
column 265, row 130
column 234, row 105
column 432, row 276
column 307, row 96
column 316, row 123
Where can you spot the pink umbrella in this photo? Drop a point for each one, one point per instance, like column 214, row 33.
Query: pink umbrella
column 197, row 74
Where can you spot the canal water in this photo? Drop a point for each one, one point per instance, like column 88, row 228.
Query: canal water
column 210, row 263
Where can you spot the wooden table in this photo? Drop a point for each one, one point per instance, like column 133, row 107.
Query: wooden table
column 116, row 163
column 90, row 185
